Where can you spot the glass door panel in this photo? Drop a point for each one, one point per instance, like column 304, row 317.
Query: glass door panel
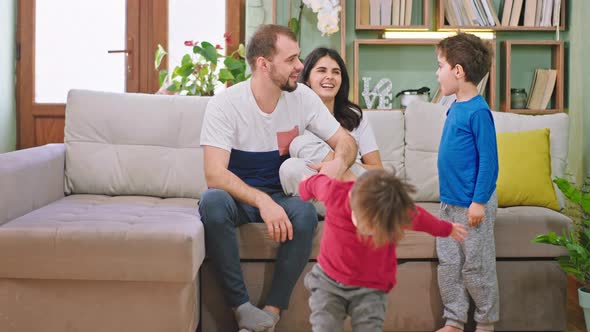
column 187, row 21
column 71, row 50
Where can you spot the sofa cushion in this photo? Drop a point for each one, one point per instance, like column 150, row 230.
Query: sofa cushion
column 91, row 237
column 134, row 144
column 424, row 125
column 558, row 125
column 389, row 132
column 514, row 229
column 525, row 169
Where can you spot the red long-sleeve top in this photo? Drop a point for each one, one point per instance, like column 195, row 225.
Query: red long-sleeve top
column 343, row 255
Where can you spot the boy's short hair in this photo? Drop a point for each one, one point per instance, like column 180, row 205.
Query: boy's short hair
column 382, row 205
column 263, row 42
column 469, row 51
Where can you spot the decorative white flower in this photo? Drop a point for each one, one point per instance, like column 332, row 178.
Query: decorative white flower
column 328, row 14
column 327, row 23
column 315, row 5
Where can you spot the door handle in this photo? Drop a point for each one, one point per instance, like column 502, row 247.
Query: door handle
column 128, row 61
column 119, row 51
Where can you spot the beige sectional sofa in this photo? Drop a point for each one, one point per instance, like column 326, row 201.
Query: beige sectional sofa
column 102, row 233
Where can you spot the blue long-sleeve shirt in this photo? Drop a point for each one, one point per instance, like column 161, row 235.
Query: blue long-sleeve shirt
column 468, row 154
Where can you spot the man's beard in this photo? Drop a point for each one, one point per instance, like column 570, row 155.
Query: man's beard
column 287, row 87
column 284, row 86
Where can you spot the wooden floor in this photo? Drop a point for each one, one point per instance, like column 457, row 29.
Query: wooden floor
column 575, row 315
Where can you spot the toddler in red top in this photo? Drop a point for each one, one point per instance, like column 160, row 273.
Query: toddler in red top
column 357, row 264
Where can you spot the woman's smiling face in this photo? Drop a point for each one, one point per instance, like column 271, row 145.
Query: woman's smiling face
column 325, row 78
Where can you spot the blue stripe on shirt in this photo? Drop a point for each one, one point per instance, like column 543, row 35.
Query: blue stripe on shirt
column 257, row 169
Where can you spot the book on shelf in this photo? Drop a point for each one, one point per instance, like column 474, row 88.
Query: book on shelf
column 395, row 12
column 385, row 12
column 402, row 12
column 549, row 87
column 365, row 9
column 542, row 88
column 453, row 14
column 515, row 13
column 375, row 12
column 546, row 10
column 481, row 86
column 488, row 12
column 538, row 13
column 506, row 10
column 556, row 12
column 481, row 13
column 530, row 8
column 408, row 13
column 471, row 12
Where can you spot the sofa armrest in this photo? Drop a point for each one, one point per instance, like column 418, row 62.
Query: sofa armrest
column 29, row 179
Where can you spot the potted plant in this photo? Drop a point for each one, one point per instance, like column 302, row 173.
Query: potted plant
column 200, row 70
column 576, row 242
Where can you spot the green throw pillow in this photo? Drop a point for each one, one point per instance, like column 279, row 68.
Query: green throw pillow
column 525, row 169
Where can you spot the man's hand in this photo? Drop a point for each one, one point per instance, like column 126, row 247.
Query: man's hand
column 278, row 225
column 459, row 232
column 475, row 214
column 334, row 168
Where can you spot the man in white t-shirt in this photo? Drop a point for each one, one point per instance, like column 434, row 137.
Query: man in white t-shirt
column 246, row 135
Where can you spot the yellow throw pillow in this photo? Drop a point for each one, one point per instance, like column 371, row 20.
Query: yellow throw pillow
column 525, row 169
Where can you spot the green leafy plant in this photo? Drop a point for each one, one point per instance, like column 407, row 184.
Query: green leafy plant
column 200, row 70
column 575, row 241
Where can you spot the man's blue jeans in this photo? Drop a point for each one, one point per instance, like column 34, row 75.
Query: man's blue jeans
column 221, row 214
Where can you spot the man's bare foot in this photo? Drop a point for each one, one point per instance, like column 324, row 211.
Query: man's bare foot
column 448, row 328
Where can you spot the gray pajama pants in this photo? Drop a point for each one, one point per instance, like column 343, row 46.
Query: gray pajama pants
column 304, row 150
column 469, row 269
column 330, row 302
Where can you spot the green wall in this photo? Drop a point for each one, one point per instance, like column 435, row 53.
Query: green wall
column 422, row 65
column 7, row 75
column 579, row 82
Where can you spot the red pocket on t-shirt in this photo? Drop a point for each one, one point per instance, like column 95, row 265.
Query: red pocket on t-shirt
column 284, row 139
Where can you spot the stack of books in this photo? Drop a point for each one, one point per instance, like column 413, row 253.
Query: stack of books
column 528, row 13
column 471, row 13
column 537, row 13
column 386, row 12
column 541, row 89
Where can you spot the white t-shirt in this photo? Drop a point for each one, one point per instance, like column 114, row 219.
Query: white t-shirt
column 365, row 138
column 259, row 142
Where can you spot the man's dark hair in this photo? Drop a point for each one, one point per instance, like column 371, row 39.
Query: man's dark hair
column 263, row 42
column 469, row 51
column 382, row 205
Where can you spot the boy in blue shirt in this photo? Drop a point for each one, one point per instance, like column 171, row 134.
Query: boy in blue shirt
column 467, row 170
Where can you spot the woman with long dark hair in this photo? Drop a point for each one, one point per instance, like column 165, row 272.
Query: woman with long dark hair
column 325, row 73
